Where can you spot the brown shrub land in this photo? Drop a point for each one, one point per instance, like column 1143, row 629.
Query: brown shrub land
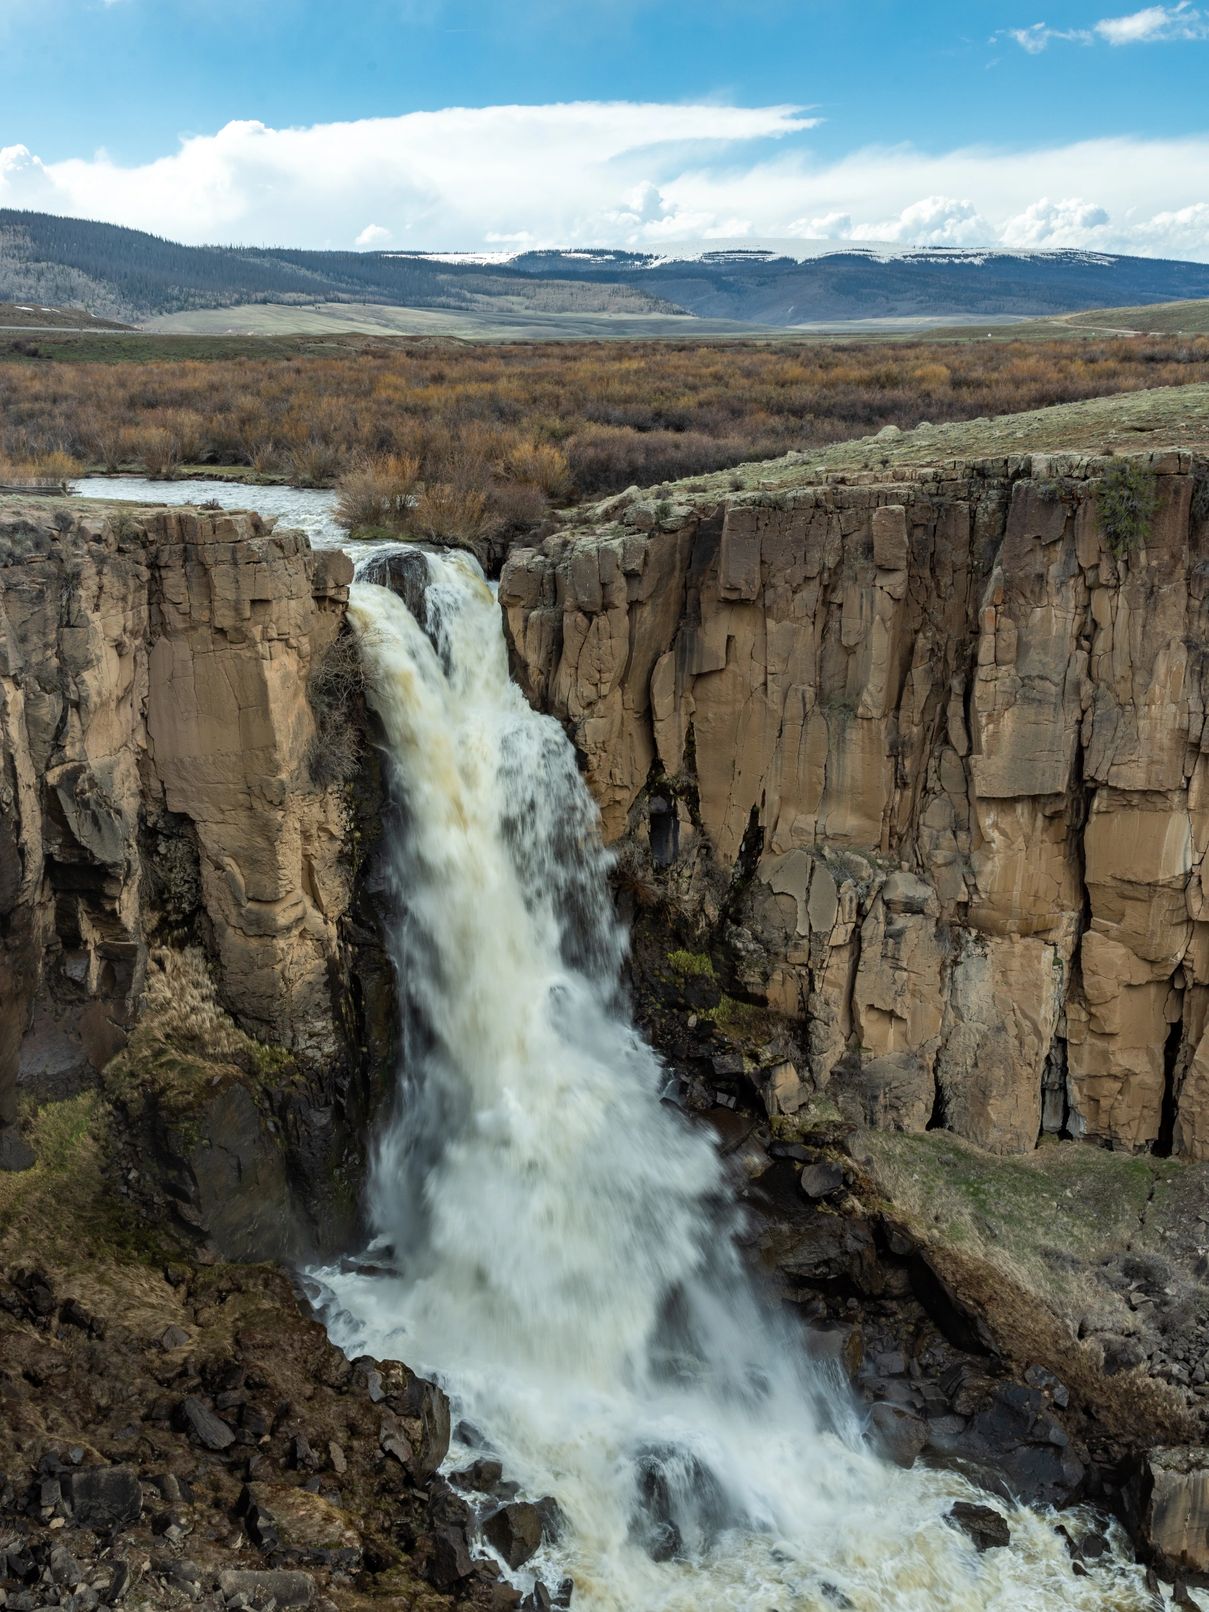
column 489, row 437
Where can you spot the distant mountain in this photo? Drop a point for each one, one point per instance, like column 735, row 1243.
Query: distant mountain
column 125, row 274
column 804, row 282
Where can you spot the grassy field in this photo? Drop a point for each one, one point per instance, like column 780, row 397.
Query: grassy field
column 1130, row 422
column 505, row 321
column 1155, row 319
column 23, row 316
column 500, row 322
column 140, row 347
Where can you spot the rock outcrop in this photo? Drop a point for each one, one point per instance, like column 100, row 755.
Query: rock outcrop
column 1169, row 1508
column 157, row 751
column 921, row 757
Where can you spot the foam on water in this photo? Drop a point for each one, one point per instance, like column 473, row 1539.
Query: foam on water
column 561, row 1243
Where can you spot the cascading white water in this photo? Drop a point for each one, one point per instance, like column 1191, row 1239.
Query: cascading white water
column 559, row 1241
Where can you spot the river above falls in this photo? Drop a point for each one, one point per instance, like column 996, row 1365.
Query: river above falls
column 309, row 509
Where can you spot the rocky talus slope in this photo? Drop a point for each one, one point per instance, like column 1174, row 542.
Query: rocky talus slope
column 919, row 755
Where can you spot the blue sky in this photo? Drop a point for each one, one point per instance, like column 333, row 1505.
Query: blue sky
column 951, row 123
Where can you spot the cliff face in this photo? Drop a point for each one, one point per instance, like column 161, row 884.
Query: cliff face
column 924, row 755
column 155, row 736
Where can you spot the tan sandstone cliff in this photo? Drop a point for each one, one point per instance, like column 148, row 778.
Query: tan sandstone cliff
column 154, row 740
column 932, row 759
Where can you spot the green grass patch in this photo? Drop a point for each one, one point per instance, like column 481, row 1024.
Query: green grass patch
column 1036, row 1211
column 736, row 1020
column 64, row 1211
column 692, row 965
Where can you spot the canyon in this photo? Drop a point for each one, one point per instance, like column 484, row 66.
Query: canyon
column 924, row 756
column 903, row 772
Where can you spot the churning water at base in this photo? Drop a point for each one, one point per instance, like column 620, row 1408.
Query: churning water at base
column 559, row 1242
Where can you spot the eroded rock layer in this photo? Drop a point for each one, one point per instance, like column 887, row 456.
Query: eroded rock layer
column 156, row 762
column 923, row 755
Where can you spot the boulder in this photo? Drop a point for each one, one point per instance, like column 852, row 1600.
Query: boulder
column 287, row 1588
column 448, row 1558
column 821, row 1178
column 982, row 1524
column 301, row 1527
column 196, row 1418
column 898, row 1433
column 515, row 1531
column 103, row 1497
column 15, row 1151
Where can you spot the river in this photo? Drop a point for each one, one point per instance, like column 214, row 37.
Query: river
column 310, row 509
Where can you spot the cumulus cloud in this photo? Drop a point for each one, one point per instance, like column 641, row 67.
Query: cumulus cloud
column 932, row 221
column 626, row 174
column 1069, row 222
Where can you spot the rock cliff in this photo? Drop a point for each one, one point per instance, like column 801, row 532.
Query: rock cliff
column 157, row 750
column 920, row 754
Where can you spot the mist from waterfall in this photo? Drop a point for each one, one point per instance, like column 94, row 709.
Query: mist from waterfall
column 557, row 1244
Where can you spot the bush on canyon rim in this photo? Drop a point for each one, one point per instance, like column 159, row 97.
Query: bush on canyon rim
column 1128, row 499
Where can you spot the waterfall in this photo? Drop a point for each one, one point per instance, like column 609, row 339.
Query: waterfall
column 557, row 1244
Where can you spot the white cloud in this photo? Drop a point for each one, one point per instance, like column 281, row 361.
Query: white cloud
column 932, row 221
column 1155, row 23
column 1069, row 222
column 434, row 178
column 1038, row 36
column 828, row 227
column 626, row 174
column 1151, row 25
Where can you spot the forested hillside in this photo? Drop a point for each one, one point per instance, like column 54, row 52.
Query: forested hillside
column 128, row 275
column 779, row 287
column 124, row 274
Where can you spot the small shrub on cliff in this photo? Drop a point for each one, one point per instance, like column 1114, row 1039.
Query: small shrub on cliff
column 1128, row 498
column 334, row 689
column 1050, row 489
column 1200, row 500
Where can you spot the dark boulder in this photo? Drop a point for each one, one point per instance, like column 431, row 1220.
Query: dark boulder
column 405, row 572
column 983, row 1524
column 899, row 1434
column 515, row 1531
column 194, row 1417
column 821, row 1178
column 103, row 1497
column 15, row 1152
column 448, row 1560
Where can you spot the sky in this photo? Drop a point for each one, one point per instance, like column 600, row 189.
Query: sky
column 500, row 124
